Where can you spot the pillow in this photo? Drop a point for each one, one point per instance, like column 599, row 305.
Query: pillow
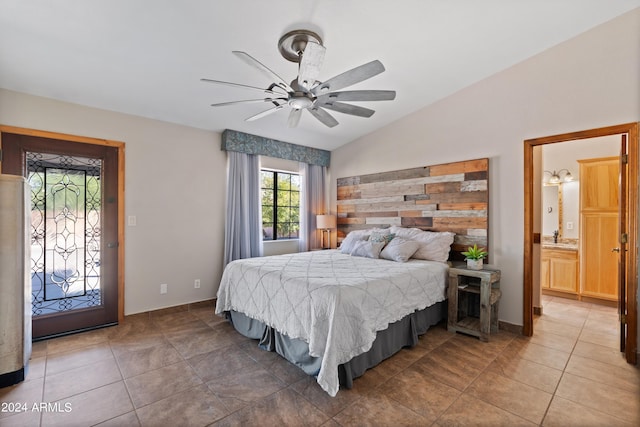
column 367, row 249
column 434, row 246
column 399, row 249
column 384, row 236
column 347, row 244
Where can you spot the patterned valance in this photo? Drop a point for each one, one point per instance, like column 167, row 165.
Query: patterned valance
column 233, row 140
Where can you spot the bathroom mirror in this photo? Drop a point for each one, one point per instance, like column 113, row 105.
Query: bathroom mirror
column 561, row 210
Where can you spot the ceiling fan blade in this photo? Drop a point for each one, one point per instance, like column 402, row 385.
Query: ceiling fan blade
column 266, row 70
column 348, row 78
column 354, row 110
column 326, row 118
column 220, row 82
column 358, row 95
column 294, row 117
column 264, row 113
column 310, row 64
column 247, row 101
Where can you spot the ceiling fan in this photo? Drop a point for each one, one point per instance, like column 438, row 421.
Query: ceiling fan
column 305, row 92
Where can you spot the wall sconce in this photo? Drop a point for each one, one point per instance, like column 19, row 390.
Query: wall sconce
column 558, row 177
column 326, row 223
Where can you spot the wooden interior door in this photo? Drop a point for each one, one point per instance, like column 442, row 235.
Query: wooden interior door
column 74, row 230
column 622, row 248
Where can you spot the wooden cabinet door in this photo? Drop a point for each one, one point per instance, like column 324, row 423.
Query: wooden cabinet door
column 599, row 265
column 564, row 274
column 599, row 184
column 599, row 227
column 544, row 272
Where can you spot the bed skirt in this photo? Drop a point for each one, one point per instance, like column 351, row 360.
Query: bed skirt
column 403, row 333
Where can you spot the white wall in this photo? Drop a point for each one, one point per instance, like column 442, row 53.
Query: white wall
column 587, row 82
column 174, row 184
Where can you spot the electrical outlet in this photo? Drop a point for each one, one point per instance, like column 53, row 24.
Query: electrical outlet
column 196, row 284
column 569, row 225
column 163, row 288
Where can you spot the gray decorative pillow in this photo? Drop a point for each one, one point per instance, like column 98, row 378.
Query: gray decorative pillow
column 434, row 246
column 399, row 249
column 367, row 249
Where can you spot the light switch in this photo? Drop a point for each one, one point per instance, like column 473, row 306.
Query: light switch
column 569, row 225
column 131, row 221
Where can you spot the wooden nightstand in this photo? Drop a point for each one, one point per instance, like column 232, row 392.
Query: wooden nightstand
column 473, row 291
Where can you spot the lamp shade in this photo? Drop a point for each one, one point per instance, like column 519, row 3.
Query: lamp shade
column 326, row 222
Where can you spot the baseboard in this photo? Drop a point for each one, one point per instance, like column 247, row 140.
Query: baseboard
column 510, row 327
column 10, row 378
column 174, row 309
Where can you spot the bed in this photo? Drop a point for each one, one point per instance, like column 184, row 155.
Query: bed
column 336, row 313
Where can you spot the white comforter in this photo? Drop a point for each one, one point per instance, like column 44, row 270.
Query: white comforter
column 334, row 302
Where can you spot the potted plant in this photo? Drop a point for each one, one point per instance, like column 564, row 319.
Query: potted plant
column 474, row 256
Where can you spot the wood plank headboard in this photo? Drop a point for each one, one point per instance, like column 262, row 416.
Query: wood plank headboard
column 448, row 197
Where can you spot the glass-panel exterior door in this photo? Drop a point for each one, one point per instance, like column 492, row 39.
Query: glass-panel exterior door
column 65, row 232
column 74, row 230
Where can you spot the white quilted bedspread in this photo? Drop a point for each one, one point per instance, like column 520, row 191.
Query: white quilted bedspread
column 334, row 302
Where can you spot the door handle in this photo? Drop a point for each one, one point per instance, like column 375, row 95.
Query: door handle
column 615, row 250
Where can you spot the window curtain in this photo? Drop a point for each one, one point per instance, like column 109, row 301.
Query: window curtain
column 243, row 225
column 312, row 203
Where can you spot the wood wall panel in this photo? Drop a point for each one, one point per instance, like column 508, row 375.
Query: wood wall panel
column 449, row 197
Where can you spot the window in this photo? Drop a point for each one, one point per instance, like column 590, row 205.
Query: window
column 280, row 205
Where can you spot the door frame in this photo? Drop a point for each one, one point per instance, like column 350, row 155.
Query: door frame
column 96, row 141
column 632, row 268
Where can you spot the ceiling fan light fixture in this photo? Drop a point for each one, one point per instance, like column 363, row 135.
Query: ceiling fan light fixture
column 300, row 102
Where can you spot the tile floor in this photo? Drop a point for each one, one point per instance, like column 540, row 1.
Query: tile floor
column 179, row 368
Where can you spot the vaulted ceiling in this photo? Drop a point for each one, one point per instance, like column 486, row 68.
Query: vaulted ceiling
column 146, row 57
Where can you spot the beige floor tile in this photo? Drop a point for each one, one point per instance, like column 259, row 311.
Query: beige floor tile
column 136, row 341
column 525, row 371
column 64, row 361
column 601, row 338
column 467, row 411
column 513, row 396
column 91, row 407
column 27, row 418
column 554, row 341
column 565, row 413
column 27, row 393
column 379, row 410
column 609, row 355
column 196, row 406
column 547, row 356
column 285, row 371
column 600, row 397
column 137, row 362
column 39, row 349
column 242, row 388
column 130, row 419
column 221, row 362
column 311, row 390
column 557, row 328
column 199, row 340
column 419, row 393
column 36, row 368
column 71, row 342
column 82, row 379
column 624, row 377
column 163, row 382
column 451, row 365
column 285, row 407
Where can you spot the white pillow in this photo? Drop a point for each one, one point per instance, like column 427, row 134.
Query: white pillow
column 367, row 249
column 434, row 246
column 348, row 243
column 399, row 249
